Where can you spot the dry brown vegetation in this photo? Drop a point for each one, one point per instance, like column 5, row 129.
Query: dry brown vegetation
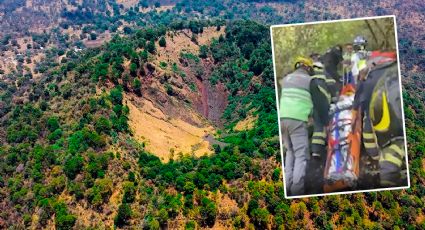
column 164, row 135
column 180, row 41
column 246, row 124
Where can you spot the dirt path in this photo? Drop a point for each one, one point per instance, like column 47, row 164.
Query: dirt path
column 210, row 138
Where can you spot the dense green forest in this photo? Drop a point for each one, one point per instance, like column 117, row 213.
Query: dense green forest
column 66, row 147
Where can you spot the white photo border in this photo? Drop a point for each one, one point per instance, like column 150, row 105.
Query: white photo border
column 401, row 98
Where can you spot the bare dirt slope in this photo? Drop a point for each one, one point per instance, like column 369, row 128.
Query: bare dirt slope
column 164, row 135
column 177, row 123
column 246, row 124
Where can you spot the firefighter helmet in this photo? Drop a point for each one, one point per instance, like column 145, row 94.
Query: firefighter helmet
column 359, row 43
column 360, row 40
column 304, row 61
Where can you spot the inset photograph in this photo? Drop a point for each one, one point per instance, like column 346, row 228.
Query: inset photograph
column 340, row 106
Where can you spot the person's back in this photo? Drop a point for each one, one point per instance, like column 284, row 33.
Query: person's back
column 331, row 60
column 295, row 108
column 375, row 71
column 386, row 120
column 296, row 100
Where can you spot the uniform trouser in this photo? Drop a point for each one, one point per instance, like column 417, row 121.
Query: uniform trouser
column 318, row 140
column 315, row 166
column 314, row 175
column 295, row 139
column 390, row 164
column 369, row 139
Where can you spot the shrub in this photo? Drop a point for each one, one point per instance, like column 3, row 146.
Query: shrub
column 116, row 95
column 129, row 192
column 77, row 190
column 123, row 215
column 65, row 221
column 52, row 123
column 150, row 47
column 55, row 135
column 103, row 125
column 72, row 166
column 162, row 42
column 208, row 212
column 190, row 225
column 260, row 217
column 203, row 51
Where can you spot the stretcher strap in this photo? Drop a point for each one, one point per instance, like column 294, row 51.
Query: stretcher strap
column 337, row 152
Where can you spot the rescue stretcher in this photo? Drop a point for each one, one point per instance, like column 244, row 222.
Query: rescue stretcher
column 343, row 154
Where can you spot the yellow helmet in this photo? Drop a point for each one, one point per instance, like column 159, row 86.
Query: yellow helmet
column 303, row 60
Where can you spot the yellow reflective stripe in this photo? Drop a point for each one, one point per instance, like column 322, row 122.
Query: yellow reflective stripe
column 368, row 136
column 322, row 77
column 370, row 145
column 319, row 134
column 392, row 159
column 327, row 95
column 384, row 124
column 397, row 149
column 296, row 91
column 372, row 107
column 376, row 157
column 329, row 80
column 318, row 142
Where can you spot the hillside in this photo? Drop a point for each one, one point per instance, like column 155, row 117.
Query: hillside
column 131, row 115
column 119, row 114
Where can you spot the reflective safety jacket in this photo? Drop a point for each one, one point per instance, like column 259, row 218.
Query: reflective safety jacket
column 358, row 61
column 319, row 138
column 390, row 164
column 387, row 123
column 296, row 102
column 302, row 96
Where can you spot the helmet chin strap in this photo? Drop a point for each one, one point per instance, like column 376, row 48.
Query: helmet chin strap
column 309, row 70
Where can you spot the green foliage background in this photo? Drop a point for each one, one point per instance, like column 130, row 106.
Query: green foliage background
column 302, row 40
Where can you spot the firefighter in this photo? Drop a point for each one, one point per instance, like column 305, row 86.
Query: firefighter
column 314, row 175
column 386, row 119
column 300, row 96
column 346, row 63
column 359, row 57
column 318, row 143
column 369, row 74
column 331, row 60
column 364, row 88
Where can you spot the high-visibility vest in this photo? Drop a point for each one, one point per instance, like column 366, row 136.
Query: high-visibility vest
column 295, row 101
column 359, row 59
